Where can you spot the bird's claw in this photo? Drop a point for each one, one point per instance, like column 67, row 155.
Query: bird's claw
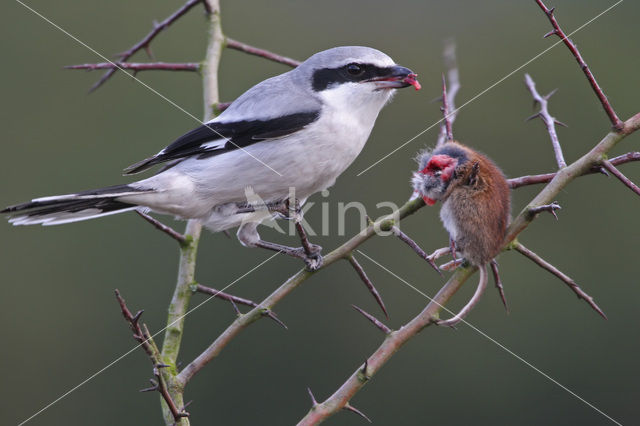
column 312, row 258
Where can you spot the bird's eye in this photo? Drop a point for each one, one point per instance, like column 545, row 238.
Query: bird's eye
column 355, row 69
column 437, row 173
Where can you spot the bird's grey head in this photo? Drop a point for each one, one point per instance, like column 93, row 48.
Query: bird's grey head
column 354, row 74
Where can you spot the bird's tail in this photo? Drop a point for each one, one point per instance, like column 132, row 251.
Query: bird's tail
column 59, row 209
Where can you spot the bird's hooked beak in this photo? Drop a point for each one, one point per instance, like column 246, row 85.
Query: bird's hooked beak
column 397, row 78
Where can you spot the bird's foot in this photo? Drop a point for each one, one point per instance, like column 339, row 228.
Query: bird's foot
column 311, row 256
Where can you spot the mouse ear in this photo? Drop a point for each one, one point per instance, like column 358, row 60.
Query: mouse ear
column 473, row 176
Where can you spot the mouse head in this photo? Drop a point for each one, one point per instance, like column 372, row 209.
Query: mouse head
column 438, row 171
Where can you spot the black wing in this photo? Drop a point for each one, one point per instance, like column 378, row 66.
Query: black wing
column 200, row 141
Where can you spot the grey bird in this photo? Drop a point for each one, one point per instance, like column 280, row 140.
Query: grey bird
column 323, row 111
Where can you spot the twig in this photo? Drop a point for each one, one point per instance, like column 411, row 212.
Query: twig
column 243, row 47
column 551, row 208
column 177, row 413
column 374, row 320
column 617, row 173
column 142, row 336
column 164, row 228
column 136, row 66
column 615, row 121
column 415, row 247
column 445, row 112
column 181, row 297
column 235, row 299
column 547, row 177
column 546, row 118
column 146, row 40
column 453, row 78
column 367, row 282
column 564, row 278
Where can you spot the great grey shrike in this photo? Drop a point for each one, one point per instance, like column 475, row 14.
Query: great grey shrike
column 296, row 131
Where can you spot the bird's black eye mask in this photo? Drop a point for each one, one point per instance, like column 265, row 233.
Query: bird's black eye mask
column 354, row 72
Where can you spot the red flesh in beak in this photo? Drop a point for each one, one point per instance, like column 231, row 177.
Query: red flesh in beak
column 412, row 80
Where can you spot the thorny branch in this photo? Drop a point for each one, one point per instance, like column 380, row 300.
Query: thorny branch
column 235, row 299
column 243, row 47
column 615, row 121
column 145, row 44
column 142, row 336
column 546, row 118
column 608, row 165
column 367, row 282
column 445, row 112
column 181, row 239
column 146, row 40
column 136, row 66
column 547, row 177
column 449, row 96
column 564, row 278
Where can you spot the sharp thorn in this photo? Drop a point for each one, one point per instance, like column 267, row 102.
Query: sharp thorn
column 235, row 307
column 353, row 409
column 534, row 116
column 226, row 232
column 137, row 316
column 160, row 365
column 559, row 123
column 549, row 34
column 550, row 94
column 313, row 398
column 150, row 389
column 186, row 405
column 274, row 317
column 373, row 320
column 603, row 171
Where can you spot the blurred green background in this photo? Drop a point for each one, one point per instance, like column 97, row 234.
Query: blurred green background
column 61, row 323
